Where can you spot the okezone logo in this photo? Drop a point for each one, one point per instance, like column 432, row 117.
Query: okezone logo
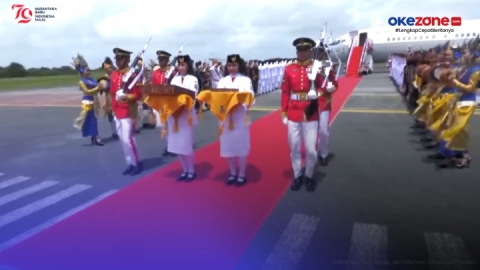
column 425, row 21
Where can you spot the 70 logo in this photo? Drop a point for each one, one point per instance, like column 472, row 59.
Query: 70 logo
column 24, row 14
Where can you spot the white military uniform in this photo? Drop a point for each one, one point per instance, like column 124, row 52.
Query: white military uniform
column 181, row 142
column 261, row 78
column 236, row 142
column 215, row 75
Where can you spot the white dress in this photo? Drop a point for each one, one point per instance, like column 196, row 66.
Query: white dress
column 236, row 142
column 181, row 142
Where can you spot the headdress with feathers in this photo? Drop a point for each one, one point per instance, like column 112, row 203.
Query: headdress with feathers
column 79, row 63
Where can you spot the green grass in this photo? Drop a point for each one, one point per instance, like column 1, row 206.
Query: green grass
column 43, row 82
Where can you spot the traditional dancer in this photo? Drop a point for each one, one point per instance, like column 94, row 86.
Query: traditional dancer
column 235, row 142
column 125, row 109
column 109, row 67
column 87, row 121
column 456, row 137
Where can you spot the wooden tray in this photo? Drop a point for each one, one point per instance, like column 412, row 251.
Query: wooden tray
column 162, row 90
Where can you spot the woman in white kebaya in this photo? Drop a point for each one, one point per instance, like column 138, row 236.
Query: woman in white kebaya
column 235, row 144
column 181, row 142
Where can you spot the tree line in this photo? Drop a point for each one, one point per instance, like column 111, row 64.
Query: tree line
column 17, row 70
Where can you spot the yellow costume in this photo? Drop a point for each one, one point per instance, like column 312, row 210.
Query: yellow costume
column 456, row 136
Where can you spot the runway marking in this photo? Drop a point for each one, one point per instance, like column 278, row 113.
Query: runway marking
column 19, row 238
column 13, row 181
column 448, row 250
column 368, row 246
column 292, row 244
column 40, row 204
column 26, row 191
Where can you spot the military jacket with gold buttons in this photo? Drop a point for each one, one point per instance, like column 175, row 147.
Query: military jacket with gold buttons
column 295, row 86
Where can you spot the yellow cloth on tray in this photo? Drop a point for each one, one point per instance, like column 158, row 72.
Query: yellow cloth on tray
column 171, row 105
column 223, row 103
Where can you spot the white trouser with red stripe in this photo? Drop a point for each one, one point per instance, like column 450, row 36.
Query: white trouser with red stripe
column 126, row 130
column 323, row 134
column 306, row 132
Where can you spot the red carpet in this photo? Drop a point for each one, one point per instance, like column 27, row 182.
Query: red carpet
column 354, row 61
column 159, row 223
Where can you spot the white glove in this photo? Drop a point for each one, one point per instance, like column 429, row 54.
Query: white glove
column 330, row 87
column 285, row 120
column 120, row 95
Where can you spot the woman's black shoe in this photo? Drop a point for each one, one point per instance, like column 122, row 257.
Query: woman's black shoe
column 97, row 141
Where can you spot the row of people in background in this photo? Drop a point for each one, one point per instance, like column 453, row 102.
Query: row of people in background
column 447, row 79
column 266, row 76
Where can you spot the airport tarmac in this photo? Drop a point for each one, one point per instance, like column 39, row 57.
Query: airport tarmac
column 377, row 205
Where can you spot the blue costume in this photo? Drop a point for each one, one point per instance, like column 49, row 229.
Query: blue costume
column 87, row 121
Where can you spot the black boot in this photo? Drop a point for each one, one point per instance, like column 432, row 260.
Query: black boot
column 310, row 184
column 137, row 169
column 296, row 184
column 165, row 152
column 128, row 170
column 323, row 161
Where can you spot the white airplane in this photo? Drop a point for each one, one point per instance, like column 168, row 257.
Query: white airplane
column 386, row 41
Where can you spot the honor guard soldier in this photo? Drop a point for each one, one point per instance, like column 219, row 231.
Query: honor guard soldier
column 140, row 103
column 325, row 105
column 302, row 126
column 124, row 106
column 159, row 77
